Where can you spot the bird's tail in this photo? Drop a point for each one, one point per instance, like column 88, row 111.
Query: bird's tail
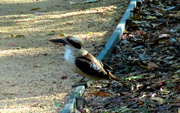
column 112, row 76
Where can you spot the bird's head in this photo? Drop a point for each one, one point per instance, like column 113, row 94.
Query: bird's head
column 69, row 41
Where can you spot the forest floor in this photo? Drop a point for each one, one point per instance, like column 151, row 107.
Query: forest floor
column 147, row 61
column 34, row 76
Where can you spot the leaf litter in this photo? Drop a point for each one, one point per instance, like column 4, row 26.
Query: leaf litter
column 147, row 60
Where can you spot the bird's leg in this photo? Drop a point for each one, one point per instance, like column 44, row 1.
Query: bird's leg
column 81, row 82
column 83, row 78
column 84, row 81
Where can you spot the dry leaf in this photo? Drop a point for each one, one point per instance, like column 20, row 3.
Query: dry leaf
column 89, row 33
column 164, row 90
column 70, row 23
column 160, row 100
column 37, row 66
column 36, row 8
column 20, row 36
column 11, row 45
column 96, row 93
column 138, row 32
column 151, row 17
column 160, row 82
column 61, row 34
column 176, row 78
column 141, row 103
column 163, row 35
column 136, row 17
column 152, row 65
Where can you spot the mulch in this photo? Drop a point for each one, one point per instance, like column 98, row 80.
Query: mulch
column 147, row 60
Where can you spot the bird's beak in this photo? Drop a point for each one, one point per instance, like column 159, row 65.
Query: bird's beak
column 59, row 41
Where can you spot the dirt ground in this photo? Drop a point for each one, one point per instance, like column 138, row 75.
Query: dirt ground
column 34, row 76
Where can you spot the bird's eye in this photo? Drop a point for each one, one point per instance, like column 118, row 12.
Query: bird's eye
column 76, row 45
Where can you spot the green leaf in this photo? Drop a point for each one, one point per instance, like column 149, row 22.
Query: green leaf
column 134, row 77
column 56, row 104
column 104, row 112
column 144, row 109
column 148, row 101
column 125, row 110
column 127, row 69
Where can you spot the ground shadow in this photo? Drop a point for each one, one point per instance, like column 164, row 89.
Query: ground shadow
column 31, row 65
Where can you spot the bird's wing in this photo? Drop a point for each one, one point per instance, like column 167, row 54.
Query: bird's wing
column 91, row 66
column 106, row 66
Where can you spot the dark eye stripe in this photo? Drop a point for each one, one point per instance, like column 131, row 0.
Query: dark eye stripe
column 75, row 44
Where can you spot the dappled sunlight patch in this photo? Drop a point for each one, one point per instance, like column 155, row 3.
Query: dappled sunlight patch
column 21, row 1
column 99, row 10
column 36, row 103
column 91, row 35
column 30, row 65
column 59, row 21
column 22, row 51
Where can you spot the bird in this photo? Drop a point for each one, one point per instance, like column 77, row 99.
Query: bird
column 81, row 61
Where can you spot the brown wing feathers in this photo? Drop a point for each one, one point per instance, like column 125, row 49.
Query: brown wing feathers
column 98, row 69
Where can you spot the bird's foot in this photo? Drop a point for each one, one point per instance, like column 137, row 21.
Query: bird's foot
column 85, row 83
column 79, row 84
column 84, row 79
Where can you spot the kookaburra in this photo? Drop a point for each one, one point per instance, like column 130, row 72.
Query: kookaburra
column 82, row 62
